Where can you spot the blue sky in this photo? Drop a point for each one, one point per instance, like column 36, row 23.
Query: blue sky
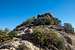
column 14, row 12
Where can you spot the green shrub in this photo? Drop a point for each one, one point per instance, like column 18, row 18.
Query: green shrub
column 12, row 34
column 3, row 36
column 46, row 37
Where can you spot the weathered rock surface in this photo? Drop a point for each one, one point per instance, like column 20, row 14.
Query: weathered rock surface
column 19, row 45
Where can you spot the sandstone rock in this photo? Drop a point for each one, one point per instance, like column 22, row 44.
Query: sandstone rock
column 12, row 48
column 20, row 45
column 15, row 43
column 4, row 49
column 26, row 45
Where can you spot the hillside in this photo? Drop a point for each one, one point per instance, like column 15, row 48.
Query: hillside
column 43, row 32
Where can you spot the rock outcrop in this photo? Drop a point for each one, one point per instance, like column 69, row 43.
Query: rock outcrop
column 46, row 34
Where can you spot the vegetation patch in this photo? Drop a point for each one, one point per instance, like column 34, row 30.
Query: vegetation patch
column 47, row 37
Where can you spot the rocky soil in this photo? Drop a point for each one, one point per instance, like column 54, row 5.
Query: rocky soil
column 72, row 36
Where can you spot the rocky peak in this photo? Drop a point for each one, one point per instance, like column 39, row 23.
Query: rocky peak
column 45, row 15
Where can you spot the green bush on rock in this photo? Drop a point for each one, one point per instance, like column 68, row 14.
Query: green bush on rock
column 12, row 34
column 46, row 37
column 3, row 36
